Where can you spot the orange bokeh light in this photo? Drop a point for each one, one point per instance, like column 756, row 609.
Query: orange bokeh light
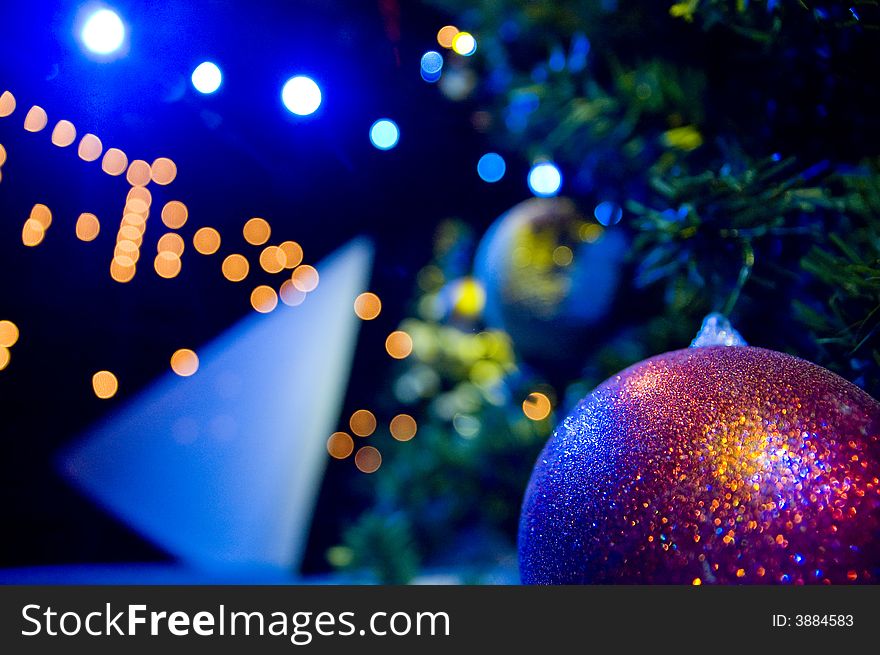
column 184, row 362
column 537, row 406
column 167, row 265
column 362, row 423
column 36, row 119
column 139, row 173
column 264, row 299
column 206, row 241
column 257, row 231
column 293, row 254
column 403, row 427
column 340, row 445
column 235, row 268
column 171, row 242
column 446, row 35
column 115, row 162
column 163, row 171
column 7, row 104
column 174, row 214
column 64, row 134
column 105, row 384
column 90, row 147
column 367, row 306
column 42, row 215
column 272, row 259
column 122, row 269
column 8, row 334
column 368, row 459
column 399, row 344
column 87, row 227
column 305, row 278
column 32, row 233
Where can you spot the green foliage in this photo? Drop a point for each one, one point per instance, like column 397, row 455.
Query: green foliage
column 732, row 131
column 844, row 315
column 382, row 544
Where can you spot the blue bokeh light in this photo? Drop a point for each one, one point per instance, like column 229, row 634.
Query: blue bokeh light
column 301, row 95
column 491, row 167
column 384, row 134
column 207, row 78
column 608, row 213
column 545, row 179
column 432, row 62
column 431, row 66
column 103, row 32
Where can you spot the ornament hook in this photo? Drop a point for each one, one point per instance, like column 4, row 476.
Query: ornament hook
column 717, row 330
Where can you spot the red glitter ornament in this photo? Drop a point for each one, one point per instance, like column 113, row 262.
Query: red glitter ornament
column 722, row 464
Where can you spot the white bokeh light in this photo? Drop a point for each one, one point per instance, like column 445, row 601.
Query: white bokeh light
column 207, row 78
column 103, row 32
column 301, row 95
column 545, row 179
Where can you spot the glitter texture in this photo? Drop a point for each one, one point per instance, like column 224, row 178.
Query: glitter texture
column 709, row 465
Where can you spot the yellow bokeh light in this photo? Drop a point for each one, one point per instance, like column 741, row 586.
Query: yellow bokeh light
column 399, row 344
column 340, row 445
column 464, row 43
column 469, row 298
column 163, row 171
column 36, row 119
column 590, row 232
column 174, row 214
column 537, row 406
column 206, row 241
column 87, row 227
column 171, row 242
column 90, row 147
column 235, row 268
column 115, row 162
column 362, row 423
column 167, row 265
column 122, row 269
column 42, row 215
column 264, row 299
column 272, row 259
column 32, row 233
column 2, row 155
column 403, row 427
column 104, row 384
column 8, row 334
column 305, row 278
column 64, row 134
column 139, row 173
column 7, row 104
column 185, row 362
column 290, row 295
column 562, row 256
column 446, row 35
column 5, row 356
column 367, row 306
column 368, row 459
column 257, row 231
column 293, row 254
